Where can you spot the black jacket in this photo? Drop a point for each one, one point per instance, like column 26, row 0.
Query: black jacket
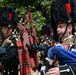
column 11, row 55
column 67, row 70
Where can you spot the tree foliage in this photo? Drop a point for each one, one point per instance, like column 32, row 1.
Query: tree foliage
column 40, row 9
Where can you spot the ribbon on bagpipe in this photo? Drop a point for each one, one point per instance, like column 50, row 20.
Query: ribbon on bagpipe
column 22, row 43
column 24, row 59
column 33, row 39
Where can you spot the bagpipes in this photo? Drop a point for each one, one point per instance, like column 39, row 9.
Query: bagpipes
column 33, row 39
column 68, row 44
column 23, row 41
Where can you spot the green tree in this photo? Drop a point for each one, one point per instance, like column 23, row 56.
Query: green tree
column 40, row 10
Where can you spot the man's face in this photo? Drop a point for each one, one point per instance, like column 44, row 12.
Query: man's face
column 61, row 29
column 6, row 31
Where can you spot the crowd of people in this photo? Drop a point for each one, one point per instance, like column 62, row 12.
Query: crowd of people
column 22, row 53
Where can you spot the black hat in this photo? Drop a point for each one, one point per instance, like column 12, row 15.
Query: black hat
column 8, row 17
column 46, row 29
column 62, row 11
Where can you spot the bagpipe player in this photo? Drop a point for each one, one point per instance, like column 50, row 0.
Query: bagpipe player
column 63, row 17
column 9, row 57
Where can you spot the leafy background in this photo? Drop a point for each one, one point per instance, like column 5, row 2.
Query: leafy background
column 40, row 10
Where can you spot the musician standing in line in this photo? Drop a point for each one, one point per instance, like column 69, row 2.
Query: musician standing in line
column 63, row 17
column 9, row 60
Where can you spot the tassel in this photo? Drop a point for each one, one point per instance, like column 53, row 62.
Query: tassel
column 68, row 6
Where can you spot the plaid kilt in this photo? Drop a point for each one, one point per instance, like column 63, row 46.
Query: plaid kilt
column 34, row 59
column 24, row 60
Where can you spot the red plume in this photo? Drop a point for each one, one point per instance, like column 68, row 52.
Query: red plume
column 68, row 6
column 10, row 16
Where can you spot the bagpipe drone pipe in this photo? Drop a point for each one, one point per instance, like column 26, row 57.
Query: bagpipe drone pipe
column 24, row 41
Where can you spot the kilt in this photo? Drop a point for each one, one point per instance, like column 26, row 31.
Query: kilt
column 34, row 59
